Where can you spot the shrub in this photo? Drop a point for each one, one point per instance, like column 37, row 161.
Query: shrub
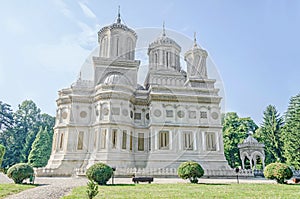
column 99, row 173
column 20, row 172
column 278, row 171
column 92, row 189
column 190, row 170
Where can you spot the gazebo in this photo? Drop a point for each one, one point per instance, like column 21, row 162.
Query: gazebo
column 251, row 149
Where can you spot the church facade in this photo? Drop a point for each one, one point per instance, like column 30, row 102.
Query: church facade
column 173, row 118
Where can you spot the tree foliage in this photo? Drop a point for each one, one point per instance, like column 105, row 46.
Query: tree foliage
column 234, row 132
column 92, row 189
column 18, row 135
column 6, row 116
column 270, row 134
column 190, row 170
column 20, row 172
column 291, row 133
column 2, row 152
column 99, row 173
column 278, row 171
column 41, row 149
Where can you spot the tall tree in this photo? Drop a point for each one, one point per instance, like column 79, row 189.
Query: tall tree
column 291, row 133
column 41, row 149
column 6, row 116
column 270, row 135
column 18, row 135
column 27, row 126
column 234, row 132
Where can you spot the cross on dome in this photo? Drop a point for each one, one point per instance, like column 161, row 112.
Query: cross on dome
column 164, row 30
column 119, row 15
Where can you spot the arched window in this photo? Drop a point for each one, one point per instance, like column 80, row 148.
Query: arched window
column 167, row 59
column 117, row 46
column 155, row 59
column 104, row 47
column 130, row 52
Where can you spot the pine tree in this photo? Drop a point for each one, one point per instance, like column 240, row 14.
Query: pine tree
column 271, row 136
column 41, row 149
column 291, row 132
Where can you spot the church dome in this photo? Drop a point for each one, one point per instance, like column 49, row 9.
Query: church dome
column 117, row 26
column 163, row 40
column 115, row 79
column 117, row 41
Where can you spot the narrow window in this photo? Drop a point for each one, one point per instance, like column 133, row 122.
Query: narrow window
column 54, row 142
column 114, row 138
column 103, row 138
column 164, row 140
column 141, row 141
column 149, row 141
column 61, row 141
column 167, row 59
column 104, row 46
column 117, row 48
column 188, row 140
column 210, row 141
column 155, row 59
column 80, row 140
column 124, row 139
column 95, row 139
column 131, row 140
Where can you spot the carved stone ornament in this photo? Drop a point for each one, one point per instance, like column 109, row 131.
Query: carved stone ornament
column 83, row 114
column 157, row 113
column 180, row 114
column 64, row 115
column 215, row 115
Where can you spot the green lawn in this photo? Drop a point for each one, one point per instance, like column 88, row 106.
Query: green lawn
column 9, row 189
column 192, row 191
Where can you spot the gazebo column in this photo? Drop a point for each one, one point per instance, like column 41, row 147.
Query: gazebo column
column 243, row 161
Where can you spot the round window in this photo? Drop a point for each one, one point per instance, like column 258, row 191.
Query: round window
column 83, row 114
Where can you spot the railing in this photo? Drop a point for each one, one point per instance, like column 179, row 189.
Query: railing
column 170, row 172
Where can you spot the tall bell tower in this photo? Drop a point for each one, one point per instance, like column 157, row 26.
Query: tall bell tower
column 196, row 61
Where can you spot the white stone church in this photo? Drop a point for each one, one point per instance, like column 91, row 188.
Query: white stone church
column 173, row 118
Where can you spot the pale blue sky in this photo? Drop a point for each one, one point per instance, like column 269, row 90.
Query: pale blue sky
column 254, row 45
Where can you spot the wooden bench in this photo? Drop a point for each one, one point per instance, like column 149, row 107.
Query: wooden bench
column 142, row 179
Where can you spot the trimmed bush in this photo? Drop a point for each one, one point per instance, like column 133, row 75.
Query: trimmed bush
column 190, row 170
column 20, row 172
column 99, row 173
column 278, row 172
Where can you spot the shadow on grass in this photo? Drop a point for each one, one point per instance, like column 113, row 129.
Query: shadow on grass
column 36, row 185
column 213, row 184
column 120, row 185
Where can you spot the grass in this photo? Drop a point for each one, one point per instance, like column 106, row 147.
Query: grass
column 182, row 190
column 9, row 189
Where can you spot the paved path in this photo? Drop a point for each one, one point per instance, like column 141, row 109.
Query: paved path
column 54, row 188
column 51, row 188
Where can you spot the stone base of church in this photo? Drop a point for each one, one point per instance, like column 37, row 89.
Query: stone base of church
column 158, row 168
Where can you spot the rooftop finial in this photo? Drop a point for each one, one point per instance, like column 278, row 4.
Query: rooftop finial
column 164, row 30
column 195, row 40
column 119, row 15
